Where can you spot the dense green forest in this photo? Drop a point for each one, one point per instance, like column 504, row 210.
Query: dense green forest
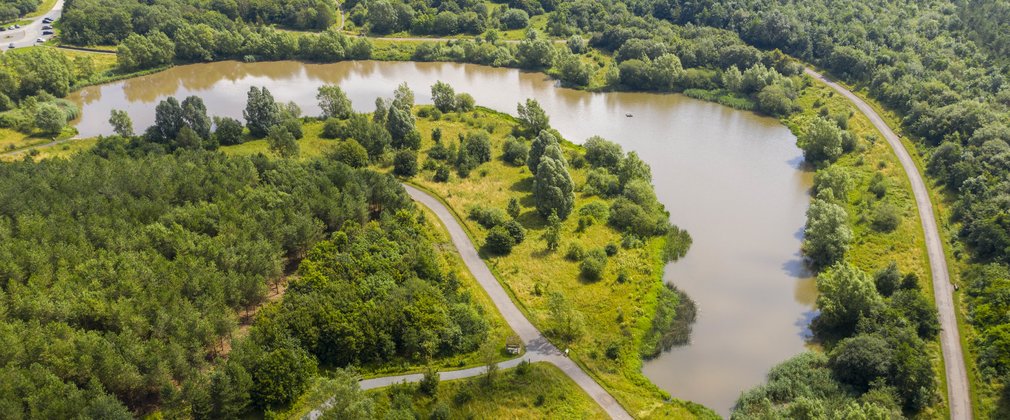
column 128, row 270
column 91, row 22
column 13, row 9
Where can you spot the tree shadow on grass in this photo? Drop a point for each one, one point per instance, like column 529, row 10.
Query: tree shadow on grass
column 541, row 252
column 1003, row 404
column 527, row 200
column 532, row 220
column 524, row 185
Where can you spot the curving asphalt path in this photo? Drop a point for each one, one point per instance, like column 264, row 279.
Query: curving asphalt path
column 958, row 392
column 27, row 34
column 538, row 349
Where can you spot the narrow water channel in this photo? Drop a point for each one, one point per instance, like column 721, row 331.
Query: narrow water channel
column 731, row 178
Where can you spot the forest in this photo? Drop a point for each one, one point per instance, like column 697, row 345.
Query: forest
column 130, row 270
column 13, row 9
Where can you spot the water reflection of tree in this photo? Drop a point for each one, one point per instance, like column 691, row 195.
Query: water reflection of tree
column 149, row 88
column 202, row 77
column 87, row 95
column 337, row 73
column 273, row 70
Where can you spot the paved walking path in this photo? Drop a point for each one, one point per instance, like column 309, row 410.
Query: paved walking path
column 958, row 393
column 538, row 349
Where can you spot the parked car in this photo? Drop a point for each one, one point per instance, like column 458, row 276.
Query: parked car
column 2, row 29
column 47, row 32
column 11, row 46
column 40, row 40
column 17, row 26
column 46, row 27
column 47, row 20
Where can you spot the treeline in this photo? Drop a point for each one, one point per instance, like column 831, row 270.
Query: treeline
column 13, row 9
column 651, row 55
column 913, row 58
column 248, row 43
column 159, row 34
column 431, row 17
column 31, row 82
column 108, row 22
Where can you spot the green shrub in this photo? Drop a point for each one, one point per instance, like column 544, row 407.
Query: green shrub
column 488, row 217
column 332, row 129
column 514, row 151
column 885, row 218
column 463, row 396
column 630, row 241
column 516, row 230
column 613, row 351
column 575, row 252
column 601, row 182
column 593, row 265
column 428, row 384
column 405, row 163
column 350, row 153
column 878, row 185
column 597, row 210
column 440, row 412
column 610, row 249
column 499, row 240
column 441, row 174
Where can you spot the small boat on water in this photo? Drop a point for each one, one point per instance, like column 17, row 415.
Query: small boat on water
column 628, row 115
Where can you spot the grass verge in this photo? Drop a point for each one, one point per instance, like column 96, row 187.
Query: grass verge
column 539, row 391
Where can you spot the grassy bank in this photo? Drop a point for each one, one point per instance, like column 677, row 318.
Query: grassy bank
column 617, row 313
column 537, row 391
column 872, row 162
column 985, row 396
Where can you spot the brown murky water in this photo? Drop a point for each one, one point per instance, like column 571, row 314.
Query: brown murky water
column 731, row 178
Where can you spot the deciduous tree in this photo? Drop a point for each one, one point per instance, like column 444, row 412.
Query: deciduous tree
column 334, row 102
column 261, row 112
column 121, row 123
